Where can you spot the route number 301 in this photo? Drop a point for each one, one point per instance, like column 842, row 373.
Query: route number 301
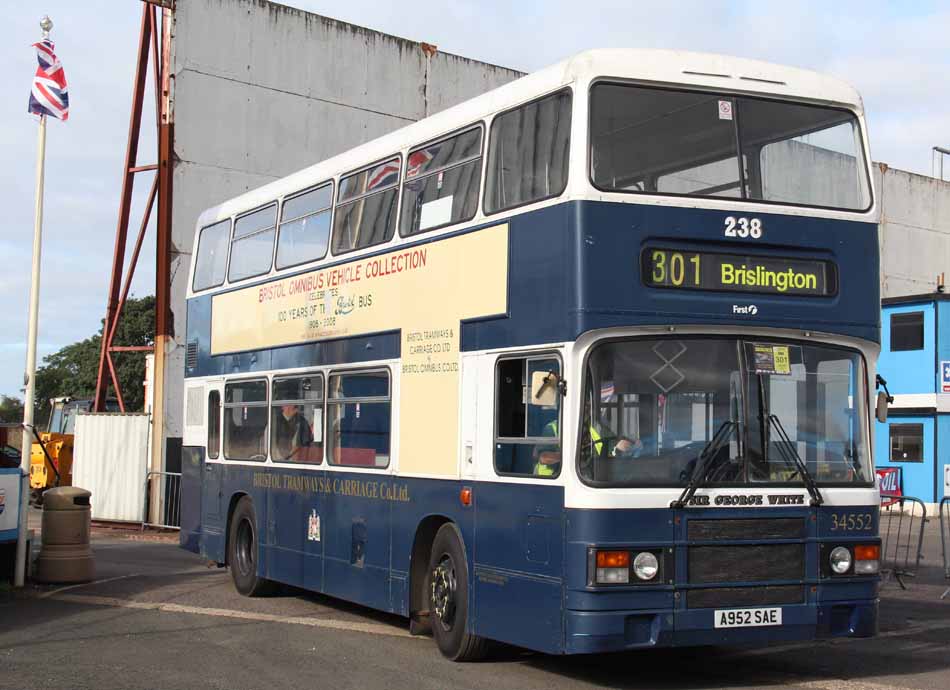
column 743, row 227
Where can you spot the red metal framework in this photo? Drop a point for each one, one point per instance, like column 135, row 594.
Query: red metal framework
column 154, row 38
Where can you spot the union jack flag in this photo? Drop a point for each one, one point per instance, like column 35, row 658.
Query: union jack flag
column 383, row 175
column 50, row 95
column 418, row 160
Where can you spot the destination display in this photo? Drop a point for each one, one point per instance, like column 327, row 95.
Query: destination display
column 691, row 270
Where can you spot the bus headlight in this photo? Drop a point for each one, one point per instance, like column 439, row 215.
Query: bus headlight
column 645, row 565
column 840, row 560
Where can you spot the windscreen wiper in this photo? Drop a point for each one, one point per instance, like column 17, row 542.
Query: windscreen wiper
column 723, row 433
column 791, row 456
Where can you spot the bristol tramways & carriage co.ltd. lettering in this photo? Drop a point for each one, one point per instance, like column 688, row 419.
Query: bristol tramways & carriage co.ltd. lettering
column 749, row 500
column 357, row 488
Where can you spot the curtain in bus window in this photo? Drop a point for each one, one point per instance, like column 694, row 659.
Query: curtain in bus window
column 212, row 261
column 245, row 420
column 528, row 153
column 253, row 245
column 659, row 140
column 304, row 227
column 370, row 218
column 297, row 419
column 802, row 154
column 441, row 185
column 359, row 419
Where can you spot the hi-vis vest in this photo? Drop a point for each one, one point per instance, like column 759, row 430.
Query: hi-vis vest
column 542, row 470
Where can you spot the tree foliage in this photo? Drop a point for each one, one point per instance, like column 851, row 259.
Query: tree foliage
column 11, row 409
column 72, row 370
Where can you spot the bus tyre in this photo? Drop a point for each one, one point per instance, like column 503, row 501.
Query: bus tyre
column 448, row 597
column 242, row 551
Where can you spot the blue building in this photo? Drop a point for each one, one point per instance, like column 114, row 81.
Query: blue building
column 915, row 361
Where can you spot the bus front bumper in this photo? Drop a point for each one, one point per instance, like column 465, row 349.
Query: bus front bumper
column 589, row 632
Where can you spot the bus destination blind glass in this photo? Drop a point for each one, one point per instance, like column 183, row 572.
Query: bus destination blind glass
column 691, row 270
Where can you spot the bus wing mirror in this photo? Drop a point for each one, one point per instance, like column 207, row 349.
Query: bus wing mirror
column 881, row 408
column 544, row 388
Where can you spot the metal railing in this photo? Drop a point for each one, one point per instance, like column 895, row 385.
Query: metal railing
column 169, row 495
column 944, row 512
column 902, row 537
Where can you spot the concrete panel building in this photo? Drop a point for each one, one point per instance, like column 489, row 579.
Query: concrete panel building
column 261, row 90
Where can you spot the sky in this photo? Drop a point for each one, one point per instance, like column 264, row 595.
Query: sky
column 895, row 53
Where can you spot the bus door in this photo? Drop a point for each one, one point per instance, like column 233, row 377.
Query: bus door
column 212, row 472
column 518, row 542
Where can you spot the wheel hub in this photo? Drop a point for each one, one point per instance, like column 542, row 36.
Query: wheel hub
column 444, row 591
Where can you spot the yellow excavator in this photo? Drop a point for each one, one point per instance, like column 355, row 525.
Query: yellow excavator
column 51, row 456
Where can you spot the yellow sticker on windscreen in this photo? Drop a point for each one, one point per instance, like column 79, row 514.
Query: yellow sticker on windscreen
column 781, row 360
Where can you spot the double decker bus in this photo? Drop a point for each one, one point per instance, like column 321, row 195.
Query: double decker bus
column 582, row 364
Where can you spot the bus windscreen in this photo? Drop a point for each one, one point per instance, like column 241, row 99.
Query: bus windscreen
column 688, row 143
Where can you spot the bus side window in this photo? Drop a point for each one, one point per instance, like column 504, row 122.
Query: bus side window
column 441, row 185
column 366, row 207
column 297, row 419
column 527, row 435
column 528, row 153
column 253, row 245
column 245, row 420
column 359, row 419
column 214, row 424
column 212, row 261
column 304, row 227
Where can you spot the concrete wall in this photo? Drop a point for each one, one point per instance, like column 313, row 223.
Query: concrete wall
column 915, row 230
column 262, row 90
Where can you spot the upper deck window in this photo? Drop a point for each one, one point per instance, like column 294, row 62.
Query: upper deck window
column 252, row 248
column 662, row 141
column 442, row 181
column 528, row 153
column 304, row 227
column 366, row 207
column 212, row 261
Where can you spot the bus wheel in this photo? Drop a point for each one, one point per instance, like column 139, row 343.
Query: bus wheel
column 448, row 597
column 242, row 551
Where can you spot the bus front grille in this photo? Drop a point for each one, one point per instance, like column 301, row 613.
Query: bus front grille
column 745, row 563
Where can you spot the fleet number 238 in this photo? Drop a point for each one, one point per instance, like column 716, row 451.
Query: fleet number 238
column 744, row 227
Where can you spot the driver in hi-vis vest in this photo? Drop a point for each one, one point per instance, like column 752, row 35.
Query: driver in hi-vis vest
column 549, row 457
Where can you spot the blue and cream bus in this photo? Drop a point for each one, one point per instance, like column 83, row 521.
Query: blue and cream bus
column 582, row 364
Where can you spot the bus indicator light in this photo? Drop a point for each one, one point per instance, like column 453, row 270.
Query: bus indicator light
column 465, row 496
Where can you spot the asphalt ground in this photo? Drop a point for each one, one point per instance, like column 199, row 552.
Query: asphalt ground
column 160, row 617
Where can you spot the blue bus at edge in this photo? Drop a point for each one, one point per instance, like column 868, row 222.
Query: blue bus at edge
column 583, row 364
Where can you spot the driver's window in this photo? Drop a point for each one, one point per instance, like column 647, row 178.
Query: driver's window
column 245, row 420
column 527, row 434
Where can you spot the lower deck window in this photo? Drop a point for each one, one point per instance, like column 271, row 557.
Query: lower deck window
column 245, row 420
column 297, row 419
column 359, row 419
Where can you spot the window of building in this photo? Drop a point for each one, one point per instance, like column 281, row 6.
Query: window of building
column 359, row 419
column 366, row 207
column 245, row 420
column 297, row 419
column 252, row 248
column 212, row 262
column 441, row 185
column 527, row 435
column 528, row 153
column 214, row 424
column 907, row 442
column 304, row 227
column 907, row 331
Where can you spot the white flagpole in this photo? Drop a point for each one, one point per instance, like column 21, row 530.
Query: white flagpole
column 30, row 376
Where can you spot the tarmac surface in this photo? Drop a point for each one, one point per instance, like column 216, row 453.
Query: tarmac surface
column 160, row 617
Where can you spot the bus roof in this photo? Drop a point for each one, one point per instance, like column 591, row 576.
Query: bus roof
column 670, row 67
